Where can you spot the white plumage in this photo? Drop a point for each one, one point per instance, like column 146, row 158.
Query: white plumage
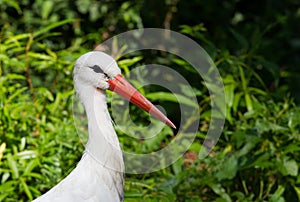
column 99, row 174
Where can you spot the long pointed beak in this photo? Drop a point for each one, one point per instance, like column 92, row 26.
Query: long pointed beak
column 126, row 90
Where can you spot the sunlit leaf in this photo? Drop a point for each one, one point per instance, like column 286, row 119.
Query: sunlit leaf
column 13, row 166
column 47, row 8
column 277, row 196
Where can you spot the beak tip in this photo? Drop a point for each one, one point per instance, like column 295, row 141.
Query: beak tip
column 169, row 123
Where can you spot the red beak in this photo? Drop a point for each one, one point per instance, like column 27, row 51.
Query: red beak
column 126, row 90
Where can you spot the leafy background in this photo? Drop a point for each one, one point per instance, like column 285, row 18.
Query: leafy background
column 255, row 45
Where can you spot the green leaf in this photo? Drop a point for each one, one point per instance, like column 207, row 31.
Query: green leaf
column 39, row 56
column 297, row 190
column 27, row 154
column 257, row 161
column 177, row 166
column 26, row 188
column 13, row 166
column 52, row 26
column 45, row 93
column 218, row 189
column 263, row 125
column 293, row 119
column 15, row 39
column 15, row 76
column 277, row 196
column 153, row 143
column 125, row 63
column 218, row 98
column 8, row 186
column 288, row 166
column 5, row 177
column 248, row 102
column 186, row 90
column 291, row 148
column 16, row 93
column 291, row 167
column 3, row 196
column 35, row 175
column 257, row 90
column 229, row 90
column 15, row 5
column 47, row 8
column 236, row 101
column 164, row 96
column 228, row 169
column 30, row 166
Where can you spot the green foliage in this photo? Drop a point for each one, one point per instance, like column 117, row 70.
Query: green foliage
column 35, row 114
column 257, row 157
column 257, row 162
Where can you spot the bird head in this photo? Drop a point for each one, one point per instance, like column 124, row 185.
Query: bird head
column 100, row 71
column 95, row 69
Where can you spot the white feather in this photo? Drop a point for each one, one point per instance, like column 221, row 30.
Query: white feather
column 99, row 174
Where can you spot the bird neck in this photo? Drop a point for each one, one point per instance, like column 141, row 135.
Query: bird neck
column 103, row 144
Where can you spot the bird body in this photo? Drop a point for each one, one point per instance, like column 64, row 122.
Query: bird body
column 99, row 175
column 83, row 184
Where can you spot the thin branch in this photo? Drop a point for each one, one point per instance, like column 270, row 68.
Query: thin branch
column 168, row 18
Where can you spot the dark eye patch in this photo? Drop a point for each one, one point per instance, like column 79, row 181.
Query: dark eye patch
column 97, row 69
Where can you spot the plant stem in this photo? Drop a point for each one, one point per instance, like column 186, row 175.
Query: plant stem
column 245, row 187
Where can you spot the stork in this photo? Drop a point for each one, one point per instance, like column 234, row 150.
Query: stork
column 99, row 175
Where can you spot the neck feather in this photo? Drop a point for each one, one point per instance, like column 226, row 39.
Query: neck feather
column 103, row 144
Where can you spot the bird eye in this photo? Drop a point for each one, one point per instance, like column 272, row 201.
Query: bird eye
column 106, row 75
column 97, row 69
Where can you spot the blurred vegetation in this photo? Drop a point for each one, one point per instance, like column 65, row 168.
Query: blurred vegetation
column 255, row 45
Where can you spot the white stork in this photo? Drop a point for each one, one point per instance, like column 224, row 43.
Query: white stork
column 99, row 174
